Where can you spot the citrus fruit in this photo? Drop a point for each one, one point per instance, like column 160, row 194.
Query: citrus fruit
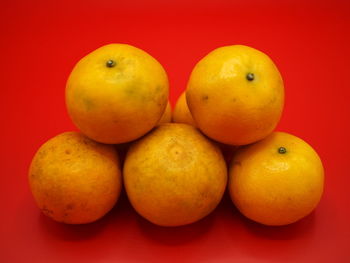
column 166, row 117
column 75, row 180
column 276, row 181
column 174, row 175
column 116, row 93
column 236, row 95
column 181, row 112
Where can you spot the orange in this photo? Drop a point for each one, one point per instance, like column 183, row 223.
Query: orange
column 116, row 93
column 166, row 115
column 276, row 181
column 74, row 179
column 236, row 95
column 174, row 175
column 181, row 112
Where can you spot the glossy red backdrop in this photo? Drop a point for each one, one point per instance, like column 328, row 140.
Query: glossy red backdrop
column 40, row 41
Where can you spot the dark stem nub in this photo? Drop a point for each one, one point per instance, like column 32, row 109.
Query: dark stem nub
column 250, row 76
column 110, row 63
column 282, row 150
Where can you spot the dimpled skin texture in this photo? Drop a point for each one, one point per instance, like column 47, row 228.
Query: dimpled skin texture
column 120, row 103
column 174, row 175
column 273, row 188
column 228, row 107
column 166, row 115
column 181, row 112
column 75, row 180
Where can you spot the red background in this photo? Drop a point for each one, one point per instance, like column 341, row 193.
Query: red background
column 40, row 41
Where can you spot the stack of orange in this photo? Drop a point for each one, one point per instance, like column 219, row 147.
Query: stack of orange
column 175, row 173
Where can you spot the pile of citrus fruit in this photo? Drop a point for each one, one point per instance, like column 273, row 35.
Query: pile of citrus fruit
column 175, row 173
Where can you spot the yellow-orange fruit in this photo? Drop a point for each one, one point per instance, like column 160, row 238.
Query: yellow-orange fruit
column 75, row 180
column 181, row 112
column 117, row 93
column 236, row 95
column 174, row 175
column 276, row 181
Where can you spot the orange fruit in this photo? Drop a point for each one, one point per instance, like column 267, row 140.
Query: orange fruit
column 174, row 175
column 166, row 117
column 276, row 181
column 236, row 95
column 75, row 180
column 181, row 112
column 117, row 93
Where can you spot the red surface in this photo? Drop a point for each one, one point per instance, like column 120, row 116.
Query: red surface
column 42, row 40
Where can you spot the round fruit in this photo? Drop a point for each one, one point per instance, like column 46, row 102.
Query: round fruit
column 166, row 115
column 181, row 112
column 236, row 95
column 276, row 181
column 75, row 180
column 116, row 93
column 174, row 175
